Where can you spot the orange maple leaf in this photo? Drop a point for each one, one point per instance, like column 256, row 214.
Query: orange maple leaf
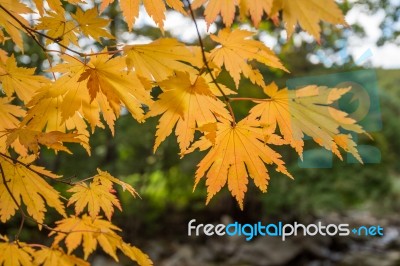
column 27, row 187
column 307, row 111
column 56, row 256
column 256, row 9
column 155, row 8
column 15, row 253
column 236, row 52
column 159, row 60
column 308, row 13
column 215, row 7
column 239, row 152
column 31, row 139
column 20, row 80
column 187, row 104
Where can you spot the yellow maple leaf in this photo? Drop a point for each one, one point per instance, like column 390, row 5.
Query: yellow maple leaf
column 118, row 86
column 306, row 111
column 20, row 80
column 90, row 24
column 105, row 178
column 214, row 7
column 9, row 114
column 236, row 52
column 9, row 119
column 155, row 8
column 160, row 59
column 256, row 9
column 14, row 29
column 31, row 139
column 136, row 254
column 95, row 196
column 308, row 13
column 186, row 104
column 15, row 254
column 54, row 4
column 87, row 232
column 28, row 188
column 58, row 27
column 85, row 90
column 56, row 256
column 44, row 115
column 239, row 152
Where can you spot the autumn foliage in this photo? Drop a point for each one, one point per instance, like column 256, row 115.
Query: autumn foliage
column 82, row 90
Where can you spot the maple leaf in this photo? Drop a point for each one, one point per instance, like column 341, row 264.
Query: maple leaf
column 56, row 256
column 308, row 13
column 214, row 7
column 306, row 111
column 20, row 80
column 26, row 186
column 87, row 232
column 15, row 8
column 31, row 139
column 160, row 59
column 44, row 115
column 54, row 5
column 9, row 118
column 237, row 50
column 15, row 254
column 186, row 104
column 239, row 152
column 155, row 8
column 256, row 9
column 84, row 90
column 58, row 27
column 9, row 114
column 136, row 254
column 105, row 178
column 108, row 76
column 91, row 24
column 96, row 196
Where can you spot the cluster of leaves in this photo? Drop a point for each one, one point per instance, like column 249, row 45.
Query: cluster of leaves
column 82, row 91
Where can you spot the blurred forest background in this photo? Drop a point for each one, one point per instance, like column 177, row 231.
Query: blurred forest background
column 338, row 192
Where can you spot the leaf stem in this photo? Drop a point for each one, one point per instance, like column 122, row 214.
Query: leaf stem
column 203, row 53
